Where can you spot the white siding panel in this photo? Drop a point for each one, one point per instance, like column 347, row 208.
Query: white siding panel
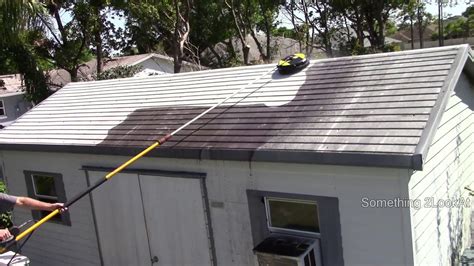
column 441, row 233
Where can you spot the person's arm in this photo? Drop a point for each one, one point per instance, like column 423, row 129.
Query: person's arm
column 26, row 202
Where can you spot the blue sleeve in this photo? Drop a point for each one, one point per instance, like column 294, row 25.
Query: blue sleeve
column 7, row 202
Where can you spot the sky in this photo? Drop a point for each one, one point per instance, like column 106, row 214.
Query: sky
column 448, row 11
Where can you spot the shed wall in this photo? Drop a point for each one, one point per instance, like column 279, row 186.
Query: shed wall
column 370, row 236
column 441, row 232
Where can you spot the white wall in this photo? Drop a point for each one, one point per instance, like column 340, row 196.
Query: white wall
column 15, row 105
column 448, row 169
column 153, row 65
column 370, row 236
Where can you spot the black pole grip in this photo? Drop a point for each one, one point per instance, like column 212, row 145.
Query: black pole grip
column 85, row 192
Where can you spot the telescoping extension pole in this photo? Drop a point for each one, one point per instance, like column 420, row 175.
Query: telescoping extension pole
column 132, row 160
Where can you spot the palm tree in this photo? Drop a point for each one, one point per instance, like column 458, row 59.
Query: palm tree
column 17, row 19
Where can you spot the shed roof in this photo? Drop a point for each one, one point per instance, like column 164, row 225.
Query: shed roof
column 374, row 110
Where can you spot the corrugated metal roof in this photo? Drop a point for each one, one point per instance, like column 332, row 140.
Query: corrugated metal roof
column 342, row 108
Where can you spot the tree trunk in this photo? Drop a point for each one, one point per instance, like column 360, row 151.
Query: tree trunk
column 259, row 46
column 269, row 50
column 98, row 39
column 73, row 74
column 177, row 65
column 381, row 33
column 420, row 25
column 412, row 35
column 218, row 57
column 440, row 23
column 246, row 51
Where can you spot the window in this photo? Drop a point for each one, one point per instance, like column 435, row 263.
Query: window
column 326, row 222
column 2, row 108
column 47, row 187
column 290, row 215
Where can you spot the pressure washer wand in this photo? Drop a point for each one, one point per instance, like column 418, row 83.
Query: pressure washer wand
column 131, row 161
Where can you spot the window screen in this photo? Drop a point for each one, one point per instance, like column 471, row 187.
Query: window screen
column 294, row 215
column 44, row 187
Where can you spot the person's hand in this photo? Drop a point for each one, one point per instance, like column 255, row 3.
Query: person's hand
column 4, row 234
column 57, row 205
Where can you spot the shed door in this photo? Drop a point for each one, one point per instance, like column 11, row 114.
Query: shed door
column 120, row 221
column 176, row 220
column 140, row 217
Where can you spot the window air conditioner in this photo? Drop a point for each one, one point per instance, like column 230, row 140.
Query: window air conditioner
column 286, row 250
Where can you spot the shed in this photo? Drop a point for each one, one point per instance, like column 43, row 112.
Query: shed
column 355, row 160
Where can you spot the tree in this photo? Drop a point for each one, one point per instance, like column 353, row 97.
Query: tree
column 69, row 45
column 317, row 23
column 236, row 9
column 167, row 22
column 214, row 28
column 408, row 13
column 18, row 26
column 266, row 23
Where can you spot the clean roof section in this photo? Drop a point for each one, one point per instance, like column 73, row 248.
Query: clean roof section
column 375, row 110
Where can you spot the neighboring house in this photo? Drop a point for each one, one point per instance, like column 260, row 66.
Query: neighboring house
column 347, row 159
column 12, row 99
column 152, row 64
column 404, row 34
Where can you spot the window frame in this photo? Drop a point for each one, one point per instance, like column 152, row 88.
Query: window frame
column 286, row 230
column 64, row 217
column 3, row 108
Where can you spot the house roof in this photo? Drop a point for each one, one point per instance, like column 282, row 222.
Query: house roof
column 374, row 110
column 405, row 34
column 61, row 77
column 11, row 85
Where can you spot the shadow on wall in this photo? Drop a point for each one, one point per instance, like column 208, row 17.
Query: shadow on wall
column 230, row 127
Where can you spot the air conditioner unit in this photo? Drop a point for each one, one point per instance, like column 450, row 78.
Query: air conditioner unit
column 287, row 250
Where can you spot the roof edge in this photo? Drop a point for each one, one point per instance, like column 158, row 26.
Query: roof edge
column 437, row 112
column 165, row 57
column 404, row 161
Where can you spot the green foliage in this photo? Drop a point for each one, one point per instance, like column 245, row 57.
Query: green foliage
column 457, row 29
column 143, row 27
column 119, row 72
column 5, row 218
column 19, row 31
column 462, row 27
column 469, row 11
column 390, row 28
column 284, row 32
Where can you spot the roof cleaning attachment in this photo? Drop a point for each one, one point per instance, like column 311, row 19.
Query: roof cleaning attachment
column 128, row 163
column 292, row 63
